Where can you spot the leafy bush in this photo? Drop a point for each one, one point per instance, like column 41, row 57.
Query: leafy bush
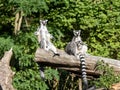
column 99, row 21
column 5, row 45
column 108, row 76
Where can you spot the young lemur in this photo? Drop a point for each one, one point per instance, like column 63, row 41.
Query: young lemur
column 44, row 38
column 77, row 48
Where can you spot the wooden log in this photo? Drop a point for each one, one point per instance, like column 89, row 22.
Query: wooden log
column 6, row 73
column 115, row 86
column 70, row 63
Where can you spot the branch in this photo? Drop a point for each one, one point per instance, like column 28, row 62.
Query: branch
column 6, row 73
column 20, row 21
column 16, row 22
column 70, row 63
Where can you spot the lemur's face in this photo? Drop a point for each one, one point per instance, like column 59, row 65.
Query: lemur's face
column 44, row 22
column 79, row 44
column 76, row 33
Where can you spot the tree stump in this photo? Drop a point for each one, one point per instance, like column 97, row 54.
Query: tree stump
column 6, row 73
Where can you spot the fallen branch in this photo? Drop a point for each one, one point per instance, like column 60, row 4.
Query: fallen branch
column 70, row 63
column 6, row 73
column 115, row 86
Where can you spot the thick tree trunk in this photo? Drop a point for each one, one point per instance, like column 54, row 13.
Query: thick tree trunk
column 70, row 63
column 6, row 73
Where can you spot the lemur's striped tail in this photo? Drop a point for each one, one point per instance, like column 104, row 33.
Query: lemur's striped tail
column 83, row 70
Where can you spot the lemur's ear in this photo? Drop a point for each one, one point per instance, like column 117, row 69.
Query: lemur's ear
column 79, row 31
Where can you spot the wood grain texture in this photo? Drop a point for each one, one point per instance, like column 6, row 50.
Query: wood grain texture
column 70, row 63
column 6, row 74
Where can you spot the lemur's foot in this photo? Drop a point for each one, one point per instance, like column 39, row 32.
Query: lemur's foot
column 56, row 54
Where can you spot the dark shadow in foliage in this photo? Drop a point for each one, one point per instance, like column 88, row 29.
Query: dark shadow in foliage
column 6, row 30
column 14, row 63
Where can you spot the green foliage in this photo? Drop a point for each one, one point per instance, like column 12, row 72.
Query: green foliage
column 108, row 76
column 50, row 74
column 68, row 81
column 29, row 6
column 6, row 17
column 28, row 80
column 5, row 45
column 99, row 21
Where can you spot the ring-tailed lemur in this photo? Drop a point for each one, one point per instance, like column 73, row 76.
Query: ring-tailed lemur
column 71, row 47
column 44, row 38
column 38, row 34
column 43, row 34
column 77, row 48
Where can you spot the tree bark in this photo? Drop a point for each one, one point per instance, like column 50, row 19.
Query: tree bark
column 18, row 22
column 6, row 73
column 70, row 63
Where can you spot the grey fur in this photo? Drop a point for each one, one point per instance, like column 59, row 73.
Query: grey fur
column 71, row 47
column 83, row 70
column 77, row 48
